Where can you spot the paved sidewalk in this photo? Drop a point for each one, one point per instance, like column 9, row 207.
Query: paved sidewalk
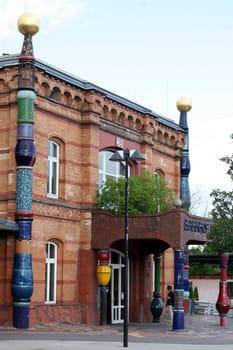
column 199, row 330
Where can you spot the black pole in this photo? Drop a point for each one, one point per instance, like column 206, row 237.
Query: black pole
column 126, row 276
column 103, row 305
column 117, row 157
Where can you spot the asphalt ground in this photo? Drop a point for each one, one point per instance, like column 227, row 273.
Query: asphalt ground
column 201, row 332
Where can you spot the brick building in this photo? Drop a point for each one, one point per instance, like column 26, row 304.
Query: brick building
column 77, row 126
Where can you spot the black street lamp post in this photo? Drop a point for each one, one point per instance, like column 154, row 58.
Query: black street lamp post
column 125, row 156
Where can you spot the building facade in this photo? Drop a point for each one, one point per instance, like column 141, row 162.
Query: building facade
column 77, row 126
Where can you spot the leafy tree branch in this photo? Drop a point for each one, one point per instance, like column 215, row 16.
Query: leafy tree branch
column 147, row 194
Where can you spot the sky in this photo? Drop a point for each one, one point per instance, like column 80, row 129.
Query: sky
column 152, row 52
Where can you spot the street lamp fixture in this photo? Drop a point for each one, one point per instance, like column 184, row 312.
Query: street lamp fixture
column 125, row 156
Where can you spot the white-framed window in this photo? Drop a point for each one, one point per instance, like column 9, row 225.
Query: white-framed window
column 108, row 168
column 53, row 169
column 51, row 273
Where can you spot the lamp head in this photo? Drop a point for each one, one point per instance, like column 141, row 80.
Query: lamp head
column 120, row 156
column 117, row 156
column 136, row 155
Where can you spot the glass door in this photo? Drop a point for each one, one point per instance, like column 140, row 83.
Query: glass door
column 117, row 287
column 117, row 295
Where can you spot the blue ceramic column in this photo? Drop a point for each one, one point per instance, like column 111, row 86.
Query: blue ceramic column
column 186, row 280
column 25, row 155
column 184, row 105
column 178, row 316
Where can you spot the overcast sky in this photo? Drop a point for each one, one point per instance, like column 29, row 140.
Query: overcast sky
column 150, row 51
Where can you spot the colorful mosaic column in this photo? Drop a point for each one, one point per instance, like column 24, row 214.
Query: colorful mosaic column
column 186, row 280
column 157, row 303
column 184, row 105
column 25, row 155
column 178, row 316
column 103, row 275
column 223, row 304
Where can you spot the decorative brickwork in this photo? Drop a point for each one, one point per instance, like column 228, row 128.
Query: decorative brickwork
column 83, row 120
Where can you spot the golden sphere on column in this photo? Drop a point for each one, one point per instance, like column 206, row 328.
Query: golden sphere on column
column 28, row 23
column 184, row 104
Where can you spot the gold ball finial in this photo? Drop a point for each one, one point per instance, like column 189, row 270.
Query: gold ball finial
column 28, row 23
column 184, row 104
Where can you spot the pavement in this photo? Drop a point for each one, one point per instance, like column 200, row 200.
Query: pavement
column 201, row 332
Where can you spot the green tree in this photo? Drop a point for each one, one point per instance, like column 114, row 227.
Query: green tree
column 147, row 194
column 220, row 235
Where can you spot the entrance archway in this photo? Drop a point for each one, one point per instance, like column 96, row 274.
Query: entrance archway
column 149, row 236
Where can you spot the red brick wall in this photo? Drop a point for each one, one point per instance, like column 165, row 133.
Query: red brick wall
column 82, row 123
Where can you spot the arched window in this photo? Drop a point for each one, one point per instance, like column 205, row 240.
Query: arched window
column 53, row 169
column 51, row 273
column 107, row 168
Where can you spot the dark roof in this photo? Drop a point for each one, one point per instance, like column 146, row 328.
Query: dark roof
column 6, row 225
column 7, row 60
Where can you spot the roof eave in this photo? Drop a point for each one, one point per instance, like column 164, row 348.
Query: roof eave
column 12, row 60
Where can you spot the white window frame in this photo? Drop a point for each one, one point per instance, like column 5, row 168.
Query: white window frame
column 53, row 161
column 116, row 166
column 51, row 280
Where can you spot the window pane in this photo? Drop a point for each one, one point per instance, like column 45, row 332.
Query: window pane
column 49, row 148
column 46, row 280
column 48, row 179
column 52, row 251
column 47, row 251
column 54, row 150
column 52, row 281
column 101, row 161
column 101, row 179
column 122, row 169
column 111, row 167
column 114, row 258
column 54, row 178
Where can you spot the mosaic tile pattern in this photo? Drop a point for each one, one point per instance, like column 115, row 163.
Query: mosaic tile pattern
column 25, row 154
column 25, row 229
column 24, row 190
